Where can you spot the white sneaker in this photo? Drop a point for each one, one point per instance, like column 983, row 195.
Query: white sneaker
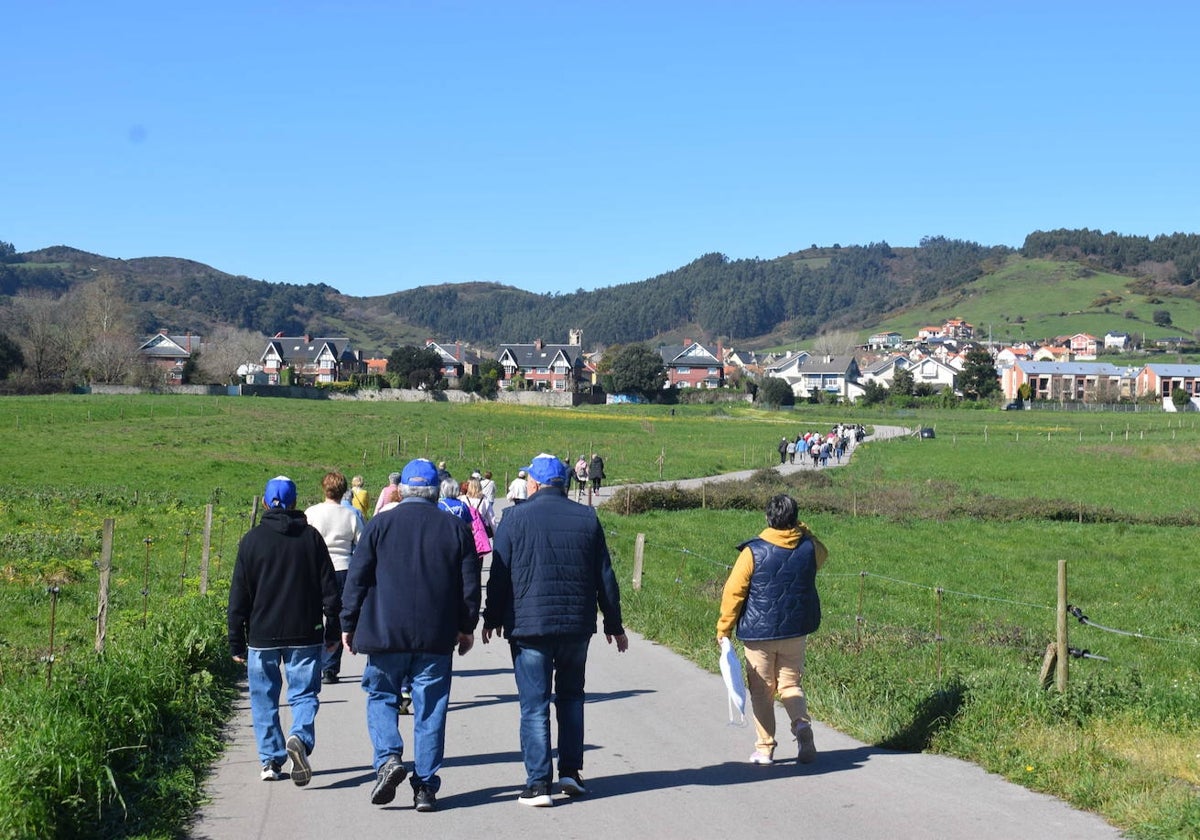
column 270, row 772
column 760, row 758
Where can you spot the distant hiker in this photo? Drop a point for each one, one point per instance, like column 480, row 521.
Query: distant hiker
column 517, row 491
column 783, row 446
column 341, row 527
column 596, row 473
column 359, row 496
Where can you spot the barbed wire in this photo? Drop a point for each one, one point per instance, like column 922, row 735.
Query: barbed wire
column 1083, row 619
column 1073, row 610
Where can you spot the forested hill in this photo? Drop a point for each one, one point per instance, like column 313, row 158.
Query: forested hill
column 802, row 294
column 751, row 302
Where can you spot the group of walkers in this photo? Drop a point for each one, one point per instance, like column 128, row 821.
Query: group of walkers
column 819, row 447
column 405, row 589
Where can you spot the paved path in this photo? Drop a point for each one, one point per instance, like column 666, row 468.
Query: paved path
column 662, row 761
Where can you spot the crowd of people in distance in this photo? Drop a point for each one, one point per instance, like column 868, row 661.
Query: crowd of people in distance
column 818, row 448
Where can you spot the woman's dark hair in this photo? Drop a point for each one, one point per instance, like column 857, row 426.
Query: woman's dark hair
column 782, row 512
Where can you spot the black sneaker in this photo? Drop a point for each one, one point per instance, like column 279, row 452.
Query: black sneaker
column 424, row 799
column 536, row 796
column 390, row 775
column 329, row 678
column 301, row 772
column 571, row 783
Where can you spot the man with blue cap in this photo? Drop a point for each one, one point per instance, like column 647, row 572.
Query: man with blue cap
column 412, row 596
column 283, row 603
column 550, row 572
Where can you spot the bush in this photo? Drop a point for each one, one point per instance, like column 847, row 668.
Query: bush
column 118, row 744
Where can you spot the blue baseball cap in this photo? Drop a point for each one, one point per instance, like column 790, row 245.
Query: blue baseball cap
column 548, row 469
column 419, row 472
column 280, row 492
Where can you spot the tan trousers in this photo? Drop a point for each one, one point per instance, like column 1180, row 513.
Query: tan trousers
column 775, row 667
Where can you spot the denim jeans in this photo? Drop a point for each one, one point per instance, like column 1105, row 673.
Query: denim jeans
column 540, row 665
column 429, row 675
column 333, row 661
column 265, row 678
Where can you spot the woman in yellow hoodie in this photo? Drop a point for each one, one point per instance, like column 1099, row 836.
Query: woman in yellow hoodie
column 771, row 598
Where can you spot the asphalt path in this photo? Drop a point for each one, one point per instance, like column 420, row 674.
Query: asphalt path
column 662, row 761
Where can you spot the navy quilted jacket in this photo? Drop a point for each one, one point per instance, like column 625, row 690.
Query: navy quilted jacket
column 782, row 601
column 551, row 571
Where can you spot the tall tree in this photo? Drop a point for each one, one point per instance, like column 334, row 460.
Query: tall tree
column 978, row 378
column 11, row 358
column 415, row 367
column 637, row 369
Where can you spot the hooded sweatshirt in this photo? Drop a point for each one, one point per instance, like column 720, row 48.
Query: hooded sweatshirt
column 283, row 592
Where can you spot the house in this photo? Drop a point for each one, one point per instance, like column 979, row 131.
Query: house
column 1070, row 381
column 377, row 367
column 692, row 365
column 828, row 375
column 883, row 370
column 1010, row 355
column 456, row 363
column 309, row 359
column 743, row 362
column 1083, row 346
column 1052, row 353
column 926, row 333
column 788, row 367
column 169, row 353
column 885, row 341
column 1118, row 340
column 958, row 329
column 545, row 367
column 932, row 372
column 1160, row 380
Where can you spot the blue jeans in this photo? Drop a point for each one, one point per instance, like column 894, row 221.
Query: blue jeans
column 540, row 664
column 333, row 661
column 429, row 675
column 302, row 667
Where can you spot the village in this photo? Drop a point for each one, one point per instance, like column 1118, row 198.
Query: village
column 1061, row 370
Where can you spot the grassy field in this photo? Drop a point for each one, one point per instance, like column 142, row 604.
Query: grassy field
column 939, row 596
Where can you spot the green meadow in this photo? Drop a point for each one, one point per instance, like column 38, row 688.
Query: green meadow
column 939, row 597
column 1032, row 299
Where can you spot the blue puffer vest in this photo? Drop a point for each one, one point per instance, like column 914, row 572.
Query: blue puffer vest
column 782, row 601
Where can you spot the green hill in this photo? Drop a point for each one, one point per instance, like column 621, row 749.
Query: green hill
column 1029, row 299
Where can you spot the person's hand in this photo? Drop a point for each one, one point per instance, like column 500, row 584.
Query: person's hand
column 622, row 641
column 489, row 631
column 348, row 642
column 241, row 660
column 465, row 642
column 331, row 647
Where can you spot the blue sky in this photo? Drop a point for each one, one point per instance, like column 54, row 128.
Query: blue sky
column 555, row 146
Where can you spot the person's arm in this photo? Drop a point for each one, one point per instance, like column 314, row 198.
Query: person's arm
column 238, row 613
column 733, row 598
column 499, row 586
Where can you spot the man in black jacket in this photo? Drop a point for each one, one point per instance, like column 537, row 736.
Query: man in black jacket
column 283, row 602
column 411, row 597
column 550, row 571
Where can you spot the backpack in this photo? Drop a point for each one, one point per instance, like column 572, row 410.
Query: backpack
column 483, row 542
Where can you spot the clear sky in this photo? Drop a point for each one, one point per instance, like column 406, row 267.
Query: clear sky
column 578, row 144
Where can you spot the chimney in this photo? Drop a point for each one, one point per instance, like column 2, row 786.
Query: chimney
column 539, row 345
column 458, row 351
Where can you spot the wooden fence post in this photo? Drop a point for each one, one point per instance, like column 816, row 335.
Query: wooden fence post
column 106, row 543
column 207, row 547
column 639, row 551
column 1061, row 669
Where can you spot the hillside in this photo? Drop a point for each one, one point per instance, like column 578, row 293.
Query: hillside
column 1060, row 283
